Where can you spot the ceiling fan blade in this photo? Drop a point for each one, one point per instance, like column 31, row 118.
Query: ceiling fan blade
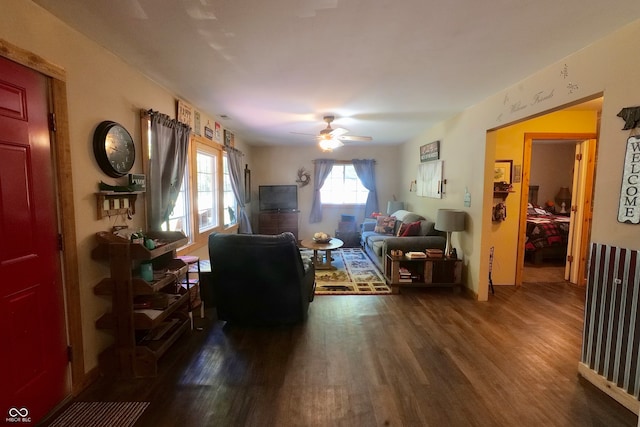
column 355, row 138
column 338, row 132
column 302, row 133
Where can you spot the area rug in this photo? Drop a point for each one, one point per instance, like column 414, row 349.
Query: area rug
column 355, row 275
column 100, row 414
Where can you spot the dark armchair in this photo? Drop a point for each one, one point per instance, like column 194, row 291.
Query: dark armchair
column 260, row 279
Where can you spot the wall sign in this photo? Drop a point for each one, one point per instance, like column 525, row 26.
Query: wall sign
column 430, row 151
column 629, row 205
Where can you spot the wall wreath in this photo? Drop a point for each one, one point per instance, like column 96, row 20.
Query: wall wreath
column 304, row 177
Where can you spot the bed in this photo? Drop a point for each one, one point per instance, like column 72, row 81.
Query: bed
column 546, row 235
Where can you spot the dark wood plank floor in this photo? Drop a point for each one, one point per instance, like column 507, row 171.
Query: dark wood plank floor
column 423, row 358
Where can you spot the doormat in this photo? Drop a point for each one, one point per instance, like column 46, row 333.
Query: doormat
column 100, row 414
column 355, row 274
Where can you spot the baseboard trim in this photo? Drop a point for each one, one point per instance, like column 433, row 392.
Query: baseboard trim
column 610, row 388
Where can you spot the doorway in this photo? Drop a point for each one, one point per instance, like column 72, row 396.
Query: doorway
column 557, row 209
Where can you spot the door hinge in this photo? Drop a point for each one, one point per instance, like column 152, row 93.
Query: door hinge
column 70, row 353
column 579, row 156
column 60, row 243
column 569, row 258
column 52, row 122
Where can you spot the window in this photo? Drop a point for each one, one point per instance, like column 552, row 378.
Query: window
column 343, row 186
column 179, row 216
column 206, row 178
column 206, row 202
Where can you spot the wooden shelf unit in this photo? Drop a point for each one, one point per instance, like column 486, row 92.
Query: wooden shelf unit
column 425, row 272
column 133, row 354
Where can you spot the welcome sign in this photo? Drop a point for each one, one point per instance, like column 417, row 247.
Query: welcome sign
column 629, row 205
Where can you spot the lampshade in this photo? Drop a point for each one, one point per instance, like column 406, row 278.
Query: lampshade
column 564, row 195
column 450, row 220
column 394, row 205
column 563, row 199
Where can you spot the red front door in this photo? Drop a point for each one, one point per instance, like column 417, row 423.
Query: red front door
column 33, row 359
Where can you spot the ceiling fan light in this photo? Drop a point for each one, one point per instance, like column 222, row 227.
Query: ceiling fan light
column 329, row 144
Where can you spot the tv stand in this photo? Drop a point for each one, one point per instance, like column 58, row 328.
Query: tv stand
column 276, row 222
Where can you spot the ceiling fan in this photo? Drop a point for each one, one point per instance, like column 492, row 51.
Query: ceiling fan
column 330, row 138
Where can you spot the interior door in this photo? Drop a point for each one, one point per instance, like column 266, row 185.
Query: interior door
column 33, row 361
column 581, row 212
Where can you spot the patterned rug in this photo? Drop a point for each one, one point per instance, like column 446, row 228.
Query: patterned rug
column 100, row 414
column 355, row 275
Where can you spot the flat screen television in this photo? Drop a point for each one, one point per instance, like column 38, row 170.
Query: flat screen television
column 278, row 197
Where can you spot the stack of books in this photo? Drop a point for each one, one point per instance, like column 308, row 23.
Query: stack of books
column 416, row 255
column 405, row 275
column 434, row 253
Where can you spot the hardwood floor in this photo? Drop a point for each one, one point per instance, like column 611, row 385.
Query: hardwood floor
column 426, row 357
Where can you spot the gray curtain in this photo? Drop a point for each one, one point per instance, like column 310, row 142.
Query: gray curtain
column 169, row 146
column 236, row 175
column 322, row 170
column 366, row 174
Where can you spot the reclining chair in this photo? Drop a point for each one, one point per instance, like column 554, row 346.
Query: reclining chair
column 259, row 279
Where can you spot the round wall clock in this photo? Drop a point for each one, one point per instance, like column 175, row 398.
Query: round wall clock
column 114, row 149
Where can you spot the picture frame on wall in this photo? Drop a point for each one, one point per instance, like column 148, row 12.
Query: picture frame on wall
column 430, row 151
column 502, row 171
column 208, row 132
column 218, row 130
column 184, row 113
column 228, row 139
column 196, row 122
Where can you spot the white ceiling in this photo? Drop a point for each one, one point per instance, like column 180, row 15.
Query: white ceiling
column 385, row 68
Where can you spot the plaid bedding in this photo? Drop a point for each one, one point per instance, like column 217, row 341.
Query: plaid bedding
column 546, row 230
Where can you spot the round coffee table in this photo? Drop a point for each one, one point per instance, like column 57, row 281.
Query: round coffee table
column 322, row 262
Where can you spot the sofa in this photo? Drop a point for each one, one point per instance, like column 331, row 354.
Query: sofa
column 260, row 280
column 402, row 230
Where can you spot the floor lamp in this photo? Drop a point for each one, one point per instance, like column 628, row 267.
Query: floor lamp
column 449, row 220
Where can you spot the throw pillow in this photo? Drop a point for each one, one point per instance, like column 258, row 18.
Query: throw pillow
column 385, row 225
column 412, row 229
column 401, row 229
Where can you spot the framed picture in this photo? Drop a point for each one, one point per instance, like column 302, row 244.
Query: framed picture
column 185, row 113
column 430, row 151
column 502, row 171
column 217, row 132
column 208, row 132
column 196, row 122
column 228, row 138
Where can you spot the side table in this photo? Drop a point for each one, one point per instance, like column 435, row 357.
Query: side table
column 422, row 272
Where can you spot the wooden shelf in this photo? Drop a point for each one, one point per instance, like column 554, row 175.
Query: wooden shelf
column 110, row 203
column 428, row 272
column 501, row 194
column 167, row 241
column 132, row 355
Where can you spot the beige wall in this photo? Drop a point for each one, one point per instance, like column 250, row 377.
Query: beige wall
column 607, row 67
column 551, row 168
column 100, row 87
column 279, row 165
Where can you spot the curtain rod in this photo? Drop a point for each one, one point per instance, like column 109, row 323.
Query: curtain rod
column 339, row 161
